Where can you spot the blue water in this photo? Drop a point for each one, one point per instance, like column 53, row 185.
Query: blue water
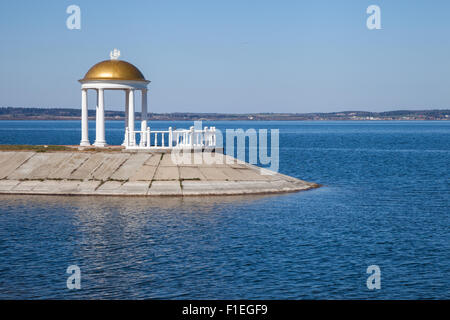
column 385, row 201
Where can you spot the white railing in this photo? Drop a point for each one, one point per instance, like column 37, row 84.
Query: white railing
column 181, row 138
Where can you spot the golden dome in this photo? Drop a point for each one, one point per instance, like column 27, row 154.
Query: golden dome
column 114, row 70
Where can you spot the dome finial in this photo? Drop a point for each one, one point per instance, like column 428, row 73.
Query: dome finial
column 115, row 54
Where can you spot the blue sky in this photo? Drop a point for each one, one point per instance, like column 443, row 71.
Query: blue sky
column 233, row 56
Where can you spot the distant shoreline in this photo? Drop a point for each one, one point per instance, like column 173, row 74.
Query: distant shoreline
column 13, row 113
column 258, row 120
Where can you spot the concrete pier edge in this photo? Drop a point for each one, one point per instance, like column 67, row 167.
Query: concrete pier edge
column 138, row 174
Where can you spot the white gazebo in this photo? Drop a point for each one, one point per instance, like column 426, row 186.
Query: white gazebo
column 113, row 74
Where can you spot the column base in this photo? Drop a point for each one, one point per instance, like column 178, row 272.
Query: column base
column 100, row 144
column 85, row 143
column 142, row 143
column 125, row 140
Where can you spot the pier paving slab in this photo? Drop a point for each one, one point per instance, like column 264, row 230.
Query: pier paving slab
column 167, row 173
column 166, row 161
column 234, row 187
column 87, row 187
column 266, row 172
column 109, row 166
column 252, row 175
column 242, row 174
column 191, row 173
column 48, row 187
column 130, row 167
column 188, row 159
column 13, row 163
column 144, row 173
column 197, row 188
column 216, row 161
column 247, row 187
column 153, row 160
column 68, row 187
column 234, row 162
column 197, row 159
column 213, row 174
column 7, row 185
column 287, row 186
column 84, row 170
column 289, row 178
column 33, row 163
column 252, row 186
column 231, row 173
column 47, row 167
column 109, row 186
column 135, row 187
column 165, row 188
column 5, row 156
column 66, row 168
column 237, row 166
column 27, row 185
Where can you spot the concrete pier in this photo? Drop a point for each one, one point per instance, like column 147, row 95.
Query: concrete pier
column 134, row 174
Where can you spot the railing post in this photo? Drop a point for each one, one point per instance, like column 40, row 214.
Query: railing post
column 170, row 138
column 148, row 137
column 156, row 139
column 125, row 142
column 209, row 136
column 141, row 138
column 206, row 137
column 192, row 133
column 132, row 138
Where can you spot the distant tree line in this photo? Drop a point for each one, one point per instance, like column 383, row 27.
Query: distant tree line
column 19, row 113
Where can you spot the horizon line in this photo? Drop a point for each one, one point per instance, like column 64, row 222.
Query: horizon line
column 237, row 113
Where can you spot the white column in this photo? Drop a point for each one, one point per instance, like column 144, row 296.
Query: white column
column 126, row 107
column 96, row 117
column 100, row 132
column 125, row 140
column 144, row 116
column 132, row 141
column 84, row 119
